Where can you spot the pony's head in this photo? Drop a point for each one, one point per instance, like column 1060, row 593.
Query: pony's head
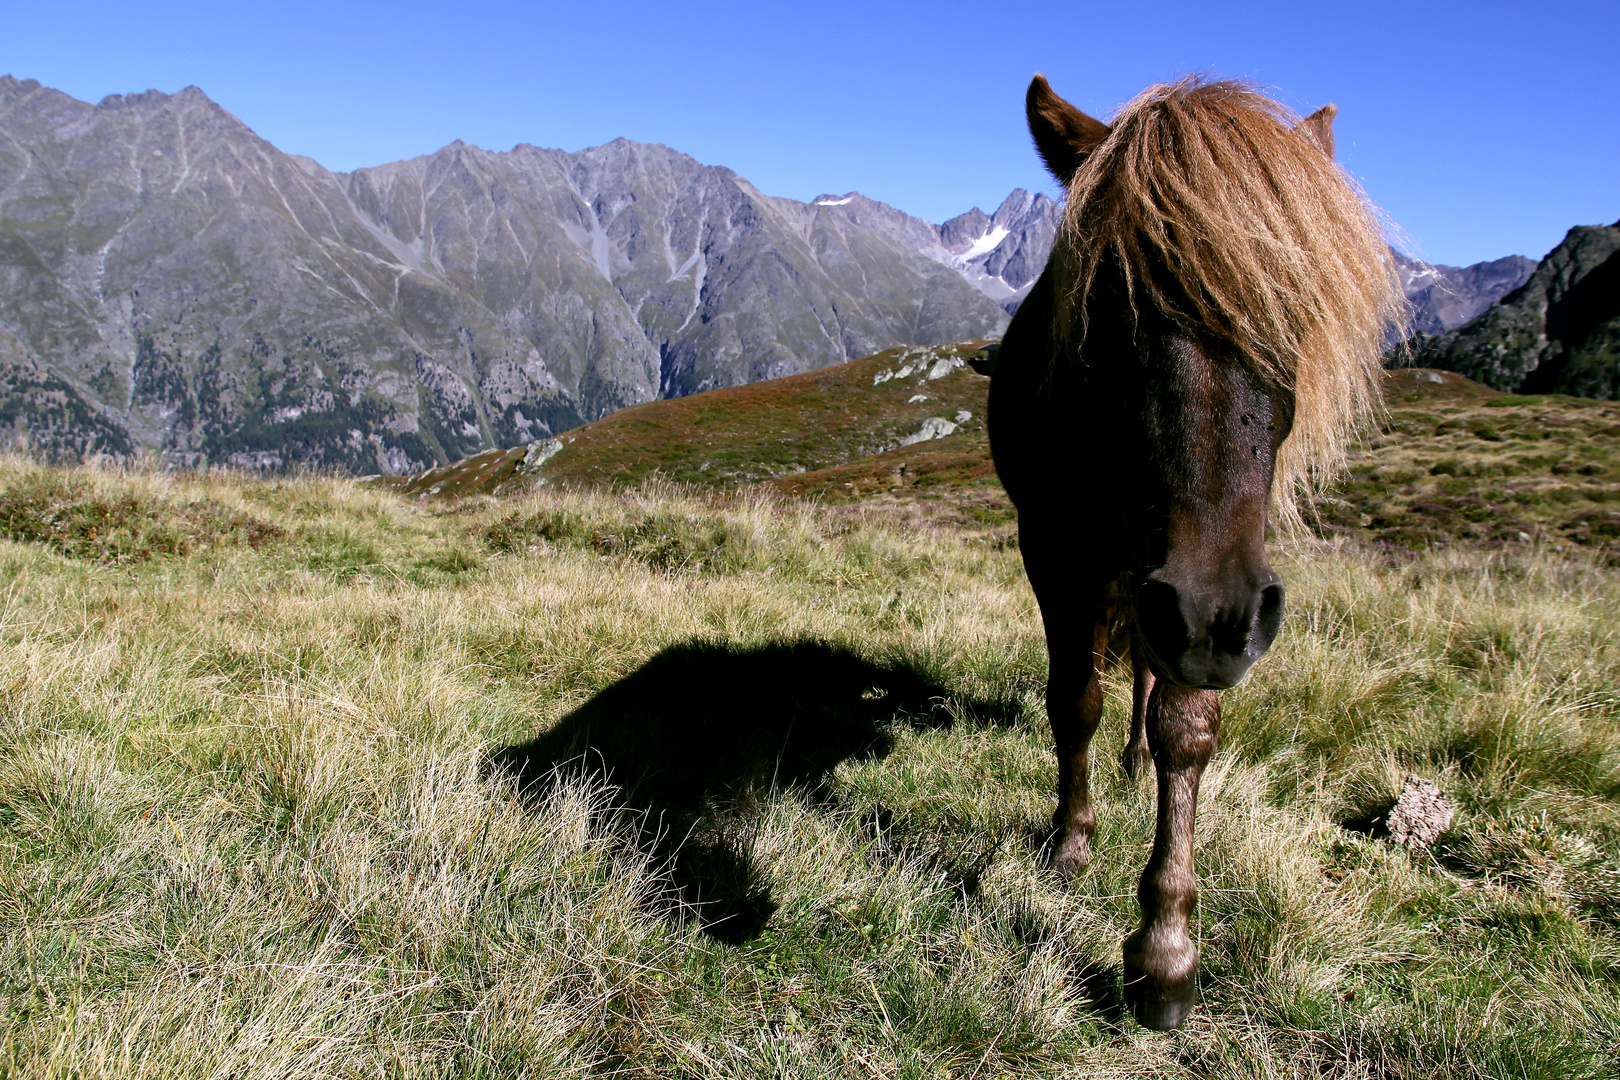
column 1221, row 280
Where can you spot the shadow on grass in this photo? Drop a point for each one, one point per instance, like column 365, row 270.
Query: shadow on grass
column 1372, row 820
column 1097, row 985
column 693, row 737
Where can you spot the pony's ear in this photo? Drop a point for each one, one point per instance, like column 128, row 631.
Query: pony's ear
column 1318, row 127
column 1063, row 134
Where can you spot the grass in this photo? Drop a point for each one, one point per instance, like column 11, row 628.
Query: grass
column 1452, row 461
column 1456, row 461
column 834, row 432
column 314, row 806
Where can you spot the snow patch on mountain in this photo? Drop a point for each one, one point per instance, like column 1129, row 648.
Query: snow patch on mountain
column 982, row 246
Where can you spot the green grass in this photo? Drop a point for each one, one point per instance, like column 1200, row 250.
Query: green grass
column 313, row 806
column 834, row 432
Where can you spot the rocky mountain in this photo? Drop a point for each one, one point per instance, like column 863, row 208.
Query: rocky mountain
column 172, row 283
column 1445, row 297
column 1557, row 332
column 169, row 281
column 1003, row 253
column 999, row 254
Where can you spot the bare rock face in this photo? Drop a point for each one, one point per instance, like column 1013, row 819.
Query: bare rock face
column 1446, row 297
column 1420, row 815
column 1002, row 254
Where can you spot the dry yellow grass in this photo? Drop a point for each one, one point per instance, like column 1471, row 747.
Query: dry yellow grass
column 249, row 824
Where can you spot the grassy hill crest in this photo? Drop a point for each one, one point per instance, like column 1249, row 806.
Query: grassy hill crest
column 1450, row 460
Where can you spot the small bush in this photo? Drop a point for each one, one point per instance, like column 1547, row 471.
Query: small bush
column 518, row 532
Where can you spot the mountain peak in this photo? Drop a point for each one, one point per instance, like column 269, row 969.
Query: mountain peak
column 125, row 101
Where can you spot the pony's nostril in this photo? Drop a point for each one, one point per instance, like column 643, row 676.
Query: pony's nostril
column 1231, row 633
column 1158, row 613
column 1248, row 628
column 1269, row 617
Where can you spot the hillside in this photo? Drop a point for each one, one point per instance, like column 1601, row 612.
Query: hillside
column 786, row 431
column 1457, row 460
column 1451, row 460
column 1559, row 332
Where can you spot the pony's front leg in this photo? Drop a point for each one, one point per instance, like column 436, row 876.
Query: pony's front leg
column 1161, row 961
column 1136, row 758
column 1074, row 705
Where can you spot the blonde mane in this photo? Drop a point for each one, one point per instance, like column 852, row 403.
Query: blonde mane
column 1266, row 245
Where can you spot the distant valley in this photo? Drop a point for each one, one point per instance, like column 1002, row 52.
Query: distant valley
column 172, row 284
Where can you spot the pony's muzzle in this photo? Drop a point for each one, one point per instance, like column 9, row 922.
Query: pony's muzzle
column 1208, row 636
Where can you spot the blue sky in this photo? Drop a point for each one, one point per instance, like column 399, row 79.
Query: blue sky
column 1483, row 129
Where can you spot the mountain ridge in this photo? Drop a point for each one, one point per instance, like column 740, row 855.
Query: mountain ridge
column 1558, row 331
column 1445, row 297
column 172, row 283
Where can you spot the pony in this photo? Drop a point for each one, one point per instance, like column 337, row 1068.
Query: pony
column 1205, row 338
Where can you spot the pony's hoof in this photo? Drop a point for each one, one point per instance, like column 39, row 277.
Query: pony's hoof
column 1136, row 761
column 1158, row 1015
column 1072, row 856
column 1159, row 1004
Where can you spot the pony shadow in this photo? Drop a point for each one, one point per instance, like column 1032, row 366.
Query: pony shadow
column 694, row 736
column 1097, row 985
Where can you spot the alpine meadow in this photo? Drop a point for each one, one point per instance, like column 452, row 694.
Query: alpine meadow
column 291, row 786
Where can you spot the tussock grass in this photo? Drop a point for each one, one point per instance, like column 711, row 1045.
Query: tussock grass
column 86, row 516
column 335, row 804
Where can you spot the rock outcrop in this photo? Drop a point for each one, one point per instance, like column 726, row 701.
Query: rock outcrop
column 1421, row 815
column 1559, row 332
